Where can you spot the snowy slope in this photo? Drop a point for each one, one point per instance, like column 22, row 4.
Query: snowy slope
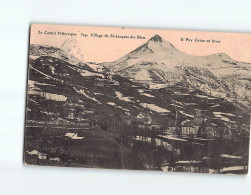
column 158, row 60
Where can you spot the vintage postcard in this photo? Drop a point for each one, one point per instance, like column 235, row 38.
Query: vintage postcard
column 139, row 99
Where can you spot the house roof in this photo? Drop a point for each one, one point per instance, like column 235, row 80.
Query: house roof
column 143, row 115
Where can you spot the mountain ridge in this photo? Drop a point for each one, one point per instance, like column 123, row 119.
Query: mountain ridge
column 158, row 55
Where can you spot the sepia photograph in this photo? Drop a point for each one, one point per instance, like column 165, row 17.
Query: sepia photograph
column 138, row 99
column 125, row 97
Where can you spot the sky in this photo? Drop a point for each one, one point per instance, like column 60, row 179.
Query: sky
column 107, row 49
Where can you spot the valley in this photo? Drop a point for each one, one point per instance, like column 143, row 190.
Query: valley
column 156, row 108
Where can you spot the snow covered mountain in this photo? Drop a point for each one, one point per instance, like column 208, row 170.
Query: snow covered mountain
column 70, row 51
column 158, row 61
column 37, row 51
column 66, row 56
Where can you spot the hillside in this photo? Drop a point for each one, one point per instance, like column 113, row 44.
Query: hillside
column 51, row 83
column 82, row 114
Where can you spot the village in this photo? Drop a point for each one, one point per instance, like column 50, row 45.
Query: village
column 76, row 113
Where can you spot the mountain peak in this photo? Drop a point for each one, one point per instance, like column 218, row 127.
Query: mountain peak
column 156, row 38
